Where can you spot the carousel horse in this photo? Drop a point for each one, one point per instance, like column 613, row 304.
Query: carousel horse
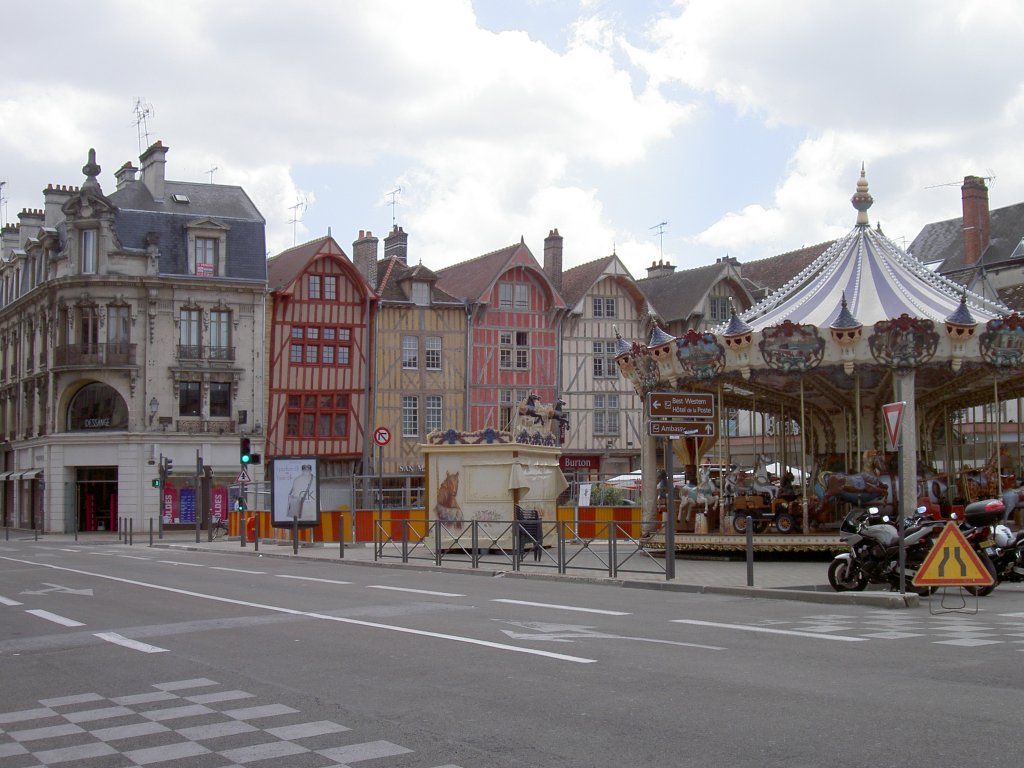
column 704, row 494
column 858, row 488
column 739, row 482
column 528, row 410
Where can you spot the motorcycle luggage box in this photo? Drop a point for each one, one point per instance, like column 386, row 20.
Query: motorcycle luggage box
column 984, row 512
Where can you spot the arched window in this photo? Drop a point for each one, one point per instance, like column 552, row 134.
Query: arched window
column 97, row 406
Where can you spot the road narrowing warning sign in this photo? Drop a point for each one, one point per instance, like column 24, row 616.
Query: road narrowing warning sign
column 952, row 563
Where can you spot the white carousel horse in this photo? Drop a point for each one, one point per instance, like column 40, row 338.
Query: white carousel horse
column 704, row 494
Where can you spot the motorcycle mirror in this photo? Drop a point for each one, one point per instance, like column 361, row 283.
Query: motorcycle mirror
column 885, row 518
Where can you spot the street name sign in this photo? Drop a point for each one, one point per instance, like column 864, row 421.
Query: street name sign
column 685, row 406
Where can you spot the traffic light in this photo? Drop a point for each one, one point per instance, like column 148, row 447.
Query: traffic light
column 156, row 482
column 168, row 465
column 240, row 504
column 245, row 451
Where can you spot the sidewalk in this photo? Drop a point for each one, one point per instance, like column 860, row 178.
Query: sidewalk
column 774, row 576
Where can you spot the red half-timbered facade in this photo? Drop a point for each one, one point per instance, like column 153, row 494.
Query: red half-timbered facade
column 515, row 332
column 320, row 312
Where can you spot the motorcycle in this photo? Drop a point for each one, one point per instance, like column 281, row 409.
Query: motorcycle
column 1009, row 559
column 982, row 519
column 874, row 550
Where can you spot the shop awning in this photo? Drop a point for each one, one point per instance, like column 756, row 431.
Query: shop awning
column 7, row 475
column 27, row 474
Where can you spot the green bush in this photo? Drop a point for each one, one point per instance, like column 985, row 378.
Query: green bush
column 606, row 496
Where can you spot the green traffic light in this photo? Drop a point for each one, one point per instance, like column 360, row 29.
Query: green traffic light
column 156, row 482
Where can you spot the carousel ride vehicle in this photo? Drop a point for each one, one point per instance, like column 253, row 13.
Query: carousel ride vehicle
column 863, row 325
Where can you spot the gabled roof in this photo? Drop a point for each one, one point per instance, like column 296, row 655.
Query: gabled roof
column 675, row 296
column 772, row 273
column 393, row 272
column 284, row 268
column 943, row 241
column 579, row 280
column 475, row 278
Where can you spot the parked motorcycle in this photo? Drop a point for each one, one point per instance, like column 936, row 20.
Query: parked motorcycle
column 1009, row 559
column 874, row 550
column 981, row 520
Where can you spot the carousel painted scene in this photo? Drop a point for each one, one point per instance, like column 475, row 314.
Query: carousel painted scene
column 872, row 363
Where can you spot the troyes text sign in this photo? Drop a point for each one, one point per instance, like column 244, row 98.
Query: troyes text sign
column 688, row 406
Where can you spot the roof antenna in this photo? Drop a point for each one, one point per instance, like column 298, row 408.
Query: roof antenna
column 211, row 170
column 660, row 226
column 142, row 110
column 3, row 204
column 393, row 194
column 296, row 210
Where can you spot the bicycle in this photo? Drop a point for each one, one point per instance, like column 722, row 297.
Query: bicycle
column 219, row 527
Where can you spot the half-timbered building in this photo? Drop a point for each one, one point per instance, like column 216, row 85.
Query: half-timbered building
column 603, row 300
column 419, row 368
column 515, row 332
column 320, row 311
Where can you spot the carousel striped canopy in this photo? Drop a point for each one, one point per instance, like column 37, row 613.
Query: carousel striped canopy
column 878, row 279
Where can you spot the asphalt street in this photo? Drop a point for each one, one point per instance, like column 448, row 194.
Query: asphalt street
column 211, row 656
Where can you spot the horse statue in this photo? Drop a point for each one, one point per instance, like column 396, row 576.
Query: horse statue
column 553, row 413
column 528, row 410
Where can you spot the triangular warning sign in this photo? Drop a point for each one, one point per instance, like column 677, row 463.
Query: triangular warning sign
column 243, row 477
column 952, row 562
column 893, row 413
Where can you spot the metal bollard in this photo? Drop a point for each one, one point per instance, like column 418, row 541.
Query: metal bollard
column 750, row 551
column 151, row 531
column 131, row 531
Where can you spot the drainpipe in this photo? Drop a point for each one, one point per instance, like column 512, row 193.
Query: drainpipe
column 468, row 354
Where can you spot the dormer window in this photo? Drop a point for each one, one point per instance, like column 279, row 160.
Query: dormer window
column 421, row 293
column 207, row 248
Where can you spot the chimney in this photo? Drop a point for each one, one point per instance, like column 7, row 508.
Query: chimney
column 976, row 222
column 364, row 256
column 153, row 161
column 125, row 174
column 660, row 269
column 553, row 258
column 30, row 221
column 397, row 244
column 54, row 197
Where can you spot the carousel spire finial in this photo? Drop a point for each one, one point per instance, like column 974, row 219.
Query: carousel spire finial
column 861, row 199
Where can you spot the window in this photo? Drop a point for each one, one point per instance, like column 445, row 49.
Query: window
column 432, row 353
column 319, row 348
column 606, row 414
column 508, row 404
column 88, row 329
column 719, row 307
column 331, row 288
column 189, row 338
column 313, row 286
column 312, row 354
column 220, row 335
column 220, row 399
column 410, row 352
column 420, row 293
column 295, row 354
column 118, row 326
column 88, row 256
column 206, row 257
column 522, row 296
column 432, row 414
column 323, row 415
column 604, row 306
column 504, row 294
column 410, row 416
column 189, row 398
column 514, row 350
column 604, row 360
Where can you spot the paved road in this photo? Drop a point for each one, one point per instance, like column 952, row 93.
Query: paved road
column 130, row 656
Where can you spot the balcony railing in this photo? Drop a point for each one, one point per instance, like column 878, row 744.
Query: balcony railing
column 92, row 355
column 199, row 352
column 196, row 425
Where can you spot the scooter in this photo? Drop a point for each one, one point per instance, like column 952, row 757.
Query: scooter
column 874, row 550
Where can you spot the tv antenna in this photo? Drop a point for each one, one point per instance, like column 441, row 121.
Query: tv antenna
column 143, row 110
column 3, row 204
column 297, row 210
column 211, row 170
column 990, row 177
column 660, row 226
column 393, row 194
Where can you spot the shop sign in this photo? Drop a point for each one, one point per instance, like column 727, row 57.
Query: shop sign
column 580, row 462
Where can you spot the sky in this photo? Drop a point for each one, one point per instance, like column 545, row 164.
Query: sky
column 683, row 130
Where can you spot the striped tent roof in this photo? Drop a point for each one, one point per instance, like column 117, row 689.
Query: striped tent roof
column 878, row 280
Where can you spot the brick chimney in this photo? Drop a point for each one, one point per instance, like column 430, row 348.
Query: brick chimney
column 976, row 221
column 364, row 256
column 660, row 269
column 54, row 197
column 397, row 244
column 553, row 258
column 153, row 161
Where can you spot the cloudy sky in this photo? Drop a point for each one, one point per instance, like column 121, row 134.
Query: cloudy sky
column 740, row 124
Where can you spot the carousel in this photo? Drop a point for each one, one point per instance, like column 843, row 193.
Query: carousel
column 865, row 325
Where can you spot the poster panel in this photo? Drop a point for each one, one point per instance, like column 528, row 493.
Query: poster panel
column 295, row 491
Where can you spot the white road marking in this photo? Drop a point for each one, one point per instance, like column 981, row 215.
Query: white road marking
column 8, row 601
column 135, row 557
column 561, row 607
column 55, row 618
column 311, row 578
column 311, row 615
column 417, row 591
column 178, row 562
column 235, row 570
column 747, row 628
column 135, row 645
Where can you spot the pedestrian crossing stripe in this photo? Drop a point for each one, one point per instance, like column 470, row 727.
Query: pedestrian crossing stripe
column 952, row 563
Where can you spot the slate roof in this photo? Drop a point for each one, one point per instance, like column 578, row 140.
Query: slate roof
column 138, row 214
column 578, row 280
column 675, row 296
column 770, row 274
column 283, row 268
column 943, row 241
column 393, row 271
column 474, row 278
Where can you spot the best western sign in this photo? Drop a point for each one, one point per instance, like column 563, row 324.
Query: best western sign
column 683, row 406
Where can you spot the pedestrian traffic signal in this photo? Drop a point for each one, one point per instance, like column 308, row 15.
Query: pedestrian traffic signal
column 245, row 451
column 156, row 482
